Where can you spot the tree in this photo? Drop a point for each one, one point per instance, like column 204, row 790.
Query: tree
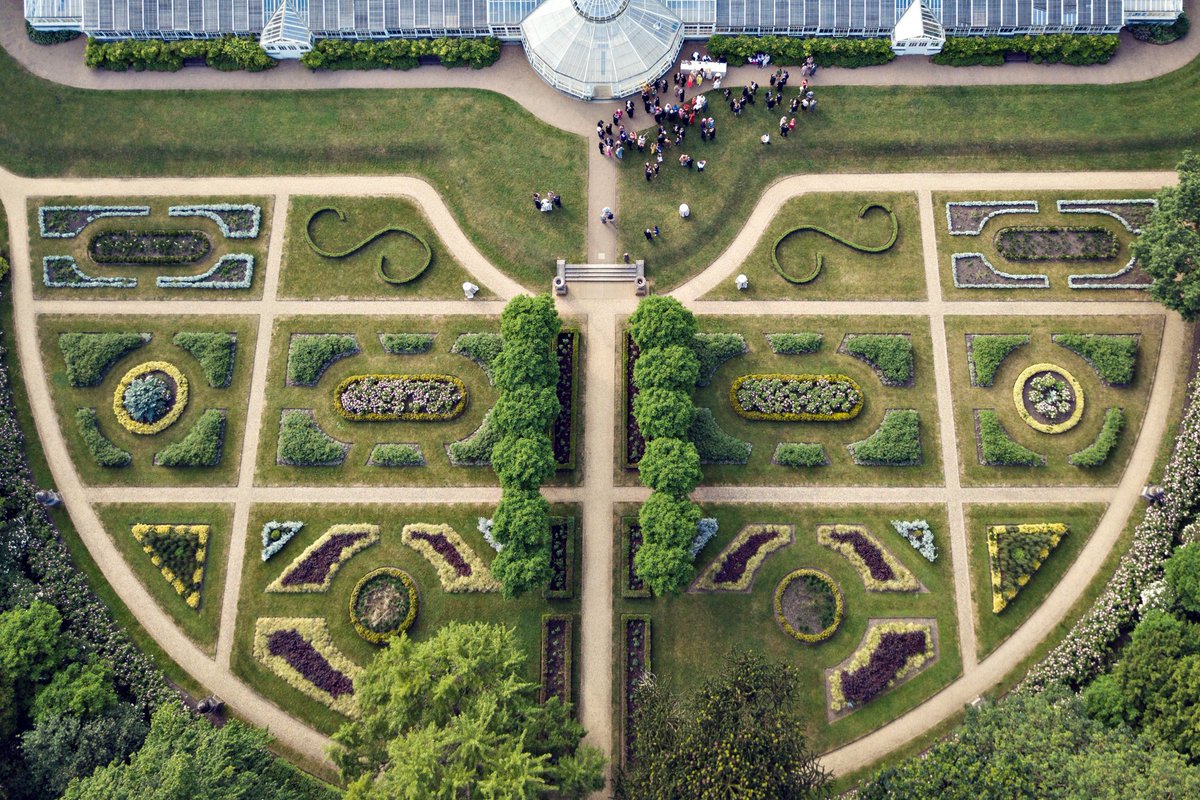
column 452, row 717
column 668, row 525
column 1183, row 576
column 522, row 462
column 525, row 365
column 661, row 321
column 675, row 367
column 663, row 413
column 59, row 748
column 1170, row 242
column 671, row 466
column 521, row 525
column 738, row 736
column 530, row 318
column 526, row 413
column 31, row 647
column 77, row 690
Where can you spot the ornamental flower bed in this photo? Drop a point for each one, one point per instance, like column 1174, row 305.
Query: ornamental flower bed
column 633, row 586
column 734, row 568
column 1133, row 213
column 1048, row 398
column 880, row 570
column 562, row 432
column 635, row 443
column 148, row 247
column 383, row 604
column 235, row 221
column 1130, row 276
column 313, row 569
column 796, row 398
column 892, row 651
column 1093, row 243
column 300, row 651
column 809, row 605
column 918, row 534
column 233, row 271
column 276, row 534
column 423, row 398
column 62, row 272
column 123, row 397
column 974, row 271
column 1015, row 552
column 562, row 567
column 459, row 567
column 635, row 666
column 556, row 657
column 967, row 218
column 179, row 551
column 65, row 222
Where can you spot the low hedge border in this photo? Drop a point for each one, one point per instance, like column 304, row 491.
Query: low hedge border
column 381, row 265
column 839, row 609
column 569, row 622
column 480, row 577
column 377, row 637
column 902, row 579
column 837, row 416
column 1097, row 453
column 826, row 51
column 369, row 535
column 1049, row 48
column 820, row 257
column 409, row 416
column 781, row 536
column 1019, row 399
column 181, row 398
column 104, row 452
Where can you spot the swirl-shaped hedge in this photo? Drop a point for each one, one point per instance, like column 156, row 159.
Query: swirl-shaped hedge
column 853, row 399
column 381, row 265
column 402, row 393
column 819, row 263
column 149, row 428
column 392, row 574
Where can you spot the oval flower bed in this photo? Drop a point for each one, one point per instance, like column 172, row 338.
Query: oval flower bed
column 809, row 605
column 148, row 247
column 400, row 397
column 383, row 604
column 1048, row 398
column 146, row 376
column 796, row 398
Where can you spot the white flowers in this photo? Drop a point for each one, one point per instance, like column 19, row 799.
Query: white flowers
column 235, row 221
column 233, row 271
column 62, row 272
column 1111, row 208
column 960, row 228
column 919, row 536
column 276, row 534
column 65, row 222
column 962, row 262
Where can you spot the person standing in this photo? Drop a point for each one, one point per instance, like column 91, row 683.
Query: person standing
column 606, row 215
column 649, row 234
column 537, row 202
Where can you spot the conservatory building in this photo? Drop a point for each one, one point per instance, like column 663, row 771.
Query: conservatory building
column 590, row 48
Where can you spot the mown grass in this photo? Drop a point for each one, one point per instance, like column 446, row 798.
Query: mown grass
column 158, row 220
column 1097, row 397
column 693, row 634
column 435, row 610
column 307, row 275
column 201, row 396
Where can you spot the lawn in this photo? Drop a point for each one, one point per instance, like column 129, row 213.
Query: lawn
column 309, row 276
column 990, row 628
column 895, row 274
column 158, row 220
column 1097, row 397
column 435, row 606
column 765, row 435
column 201, row 396
column 692, row 634
column 200, row 625
column 1048, row 215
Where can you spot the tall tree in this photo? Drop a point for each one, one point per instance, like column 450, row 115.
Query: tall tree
column 453, row 718
column 1169, row 245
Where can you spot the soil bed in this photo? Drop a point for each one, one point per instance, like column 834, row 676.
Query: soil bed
column 1056, row 244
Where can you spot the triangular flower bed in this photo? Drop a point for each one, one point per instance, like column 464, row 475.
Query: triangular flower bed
column 313, row 570
column 179, row 551
column 1016, row 552
column 276, row 534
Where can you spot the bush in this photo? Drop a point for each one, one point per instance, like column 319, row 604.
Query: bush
column 1113, row 356
column 668, row 527
column 147, row 398
column 896, row 443
column 523, row 462
column 309, row 355
column 997, row 448
column 397, row 455
column 482, row 348
column 302, row 443
column 200, row 447
column 890, row 354
column 671, row 466
column 988, row 352
column 1162, row 34
column 406, row 344
column 662, row 412
column 89, row 356
column 103, row 451
column 826, row 51
column 661, row 321
column 674, row 368
column 227, row 53
column 339, row 54
column 713, row 350
column 525, row 365
column 476, row 449
column 1182, row 572
column 49, row 37
column 214, row 351
column 530, row 318
column 800, row 454
column 1053, row 48
column 528, row 413
column 794, row 344
column 1098, row 451
column 715, row 445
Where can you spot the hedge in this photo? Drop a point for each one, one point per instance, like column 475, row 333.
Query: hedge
column 476, row 449
column 309, row 355
column 896, row 443
column 794, row 344
column 396, row 455
column 339, row 54
column 406, row 344
column 713, row 350
column 1098, row 451
column 229, row 53
column 89, row 356
column 1050, row 48
column 482, row 348
column 800, row 454
column 715, row 445
column 1113, row 356
column 302, row 443
column 214, row 351
column 988, row 351
column 826, row 51
column 997, row 448
column 49, row 37
column 105, row 453
column 889, row 354
column 200, row 447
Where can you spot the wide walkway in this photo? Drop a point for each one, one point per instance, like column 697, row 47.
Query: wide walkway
column 600, row 309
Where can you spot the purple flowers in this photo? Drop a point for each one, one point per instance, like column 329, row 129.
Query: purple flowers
column 301, row 656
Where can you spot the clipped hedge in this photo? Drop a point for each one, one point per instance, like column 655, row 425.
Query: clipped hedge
column 482, row 348
column 309, row 355
column 987, row 352
column 1050, row 48
column 476, row 449
column 406, row 344
column 713, row 350
column 1112, row 355
column 897, row 442
column 337, row 54
column 715, row 445
column 302, row 442
column 838, row 609
column 794, row 344
column 1098, row 451
column 800, row 454
column 396, row 455
column 50, row 37
column 103, row 451
column 890, row 355
column 826, row 51
column 89, row 356
column 214, row 351
column 997, row 448
column 200, row 447
column 228, row 53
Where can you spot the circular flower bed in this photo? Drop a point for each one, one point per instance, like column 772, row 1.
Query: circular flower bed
column 150, row 397
column 809, row 605
column 383, row 604
column 1048, row 398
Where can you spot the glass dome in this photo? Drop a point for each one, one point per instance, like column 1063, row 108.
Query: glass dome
column 596, row 49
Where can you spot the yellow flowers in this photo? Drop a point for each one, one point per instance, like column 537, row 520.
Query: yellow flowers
column 181, row 398
column 839, row 605
column 1008, row 577
column 147, row 535
column 1019, row 399
column 441, row 545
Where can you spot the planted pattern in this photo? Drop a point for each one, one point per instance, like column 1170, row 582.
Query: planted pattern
column 562, row 555
column 66, row 222
column 890, row 355
column 819, row 259
column 974, row 271
column 179, row 551
column 302, row 442
column 215, row 351
column 232, row 271
column 200, row 447
column 148, row 247
column 313, row 569
column 1133, row 213
column 160, row 423
column 1015, row 553
column 381, row 266
column 310, row 354
column 809, row 605
column 458, row 566
column 406, row 344
column 396, row 455
column 800, row 454
column 562, row 432
column 967, row 218
column 1112, row 355
column 879, row 569
column 400, row 397
column 276, row 534
column 556, row 657
column 796, row 398
column 1056, row 244
column 103, row 451
column 1048, row 398
column 996, row 448
column 635, row 666
column 62, row 272
column 896, row 443
column 383, row 604
column 89, row 356
column 1097, row 453
column 986, row 352
column 918, row 534
column 891, row 651
column 713, row 350
column 300, row 651
column 734, row 568
column 235, row 221
column 794, row 344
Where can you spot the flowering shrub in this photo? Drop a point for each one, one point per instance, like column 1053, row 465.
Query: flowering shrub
column 400, row 397
column 1015, row 553
column 179, row 551
column 800, row 454
column 61, row 272
column 200, row 447
column 713, row 350
column 889, row 355
column 310, row 354
column 482, row 348
column 167, row 418
column 1096, row 453
column 967, row 218
column 406, row 344
column 918, row 534
column 1050, row 392
column 300, row 650
column 794, row 344
column 276, row 534
column 65, row 222
column 895, row 443
column 232, row 271
column 879, row 569
column 458, row 566
column 706, row 529
column 796, row 398
column 734, row 568
column 1132, row 213
column 103, row 451
column 1112, row 355
column 891, row 651
column 813, row 596
column 383, row 604
column 235, row 221
column 313, row 569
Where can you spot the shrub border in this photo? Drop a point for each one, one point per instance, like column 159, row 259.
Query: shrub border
column 174, row 413
column 1109, row 424
column 1019, row 399
column 375, row 637
column 971, row 368
column 569, row 619
column 839, row 609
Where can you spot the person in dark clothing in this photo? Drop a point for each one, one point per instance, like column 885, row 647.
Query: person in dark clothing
column 649, row 175
column 649, row 234
column 537, row 202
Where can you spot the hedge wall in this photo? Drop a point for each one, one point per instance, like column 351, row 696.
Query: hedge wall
column 1053, row 48
column 229, row 53
column 401, row 53
column 826, row 51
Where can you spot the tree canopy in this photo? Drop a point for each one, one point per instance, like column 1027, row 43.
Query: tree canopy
column 1169, row 244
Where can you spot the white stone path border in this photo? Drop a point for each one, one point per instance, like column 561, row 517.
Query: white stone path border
column 601, row 309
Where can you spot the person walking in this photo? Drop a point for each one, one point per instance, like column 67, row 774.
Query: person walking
column 606, row 215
